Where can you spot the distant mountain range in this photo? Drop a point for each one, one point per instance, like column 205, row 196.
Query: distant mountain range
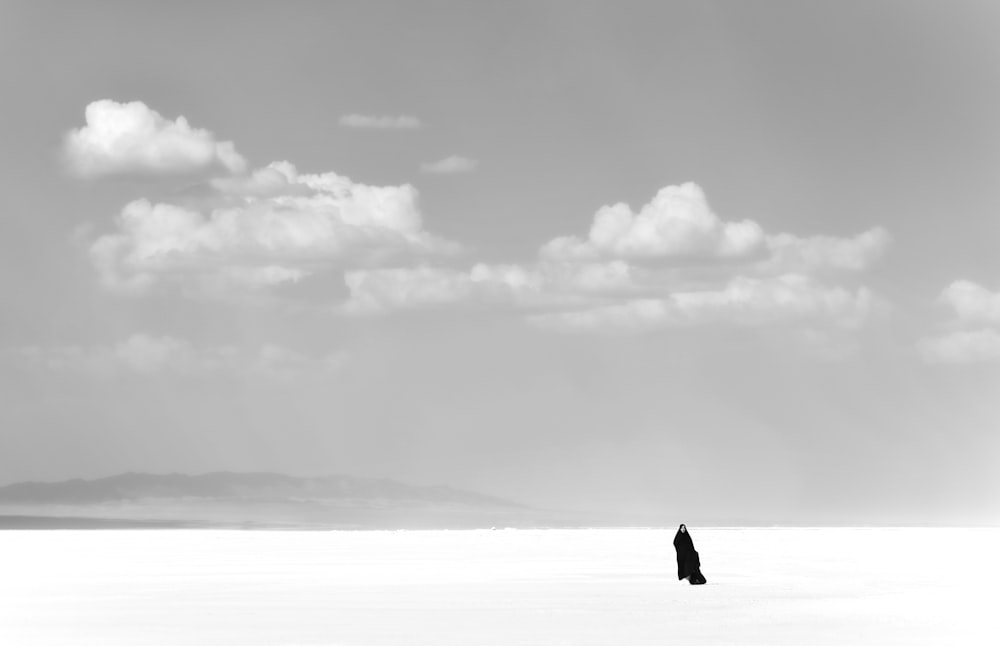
column 229, row 500
column 243, row 488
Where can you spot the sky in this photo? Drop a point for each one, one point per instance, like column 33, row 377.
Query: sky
column 703, row 260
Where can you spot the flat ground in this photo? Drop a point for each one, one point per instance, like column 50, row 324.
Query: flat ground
column 505, row 587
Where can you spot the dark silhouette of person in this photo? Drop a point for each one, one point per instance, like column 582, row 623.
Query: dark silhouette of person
column 688, row 562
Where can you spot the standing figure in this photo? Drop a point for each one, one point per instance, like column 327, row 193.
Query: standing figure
column 688, row 563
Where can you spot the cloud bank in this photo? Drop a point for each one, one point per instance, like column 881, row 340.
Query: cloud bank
column 620, row 278
column 632, row 271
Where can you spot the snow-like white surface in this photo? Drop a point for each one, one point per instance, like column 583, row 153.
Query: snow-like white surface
column 507, row 587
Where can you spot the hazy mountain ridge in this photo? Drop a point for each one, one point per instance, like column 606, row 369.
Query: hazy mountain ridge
column 260, row 500
column 225, row 485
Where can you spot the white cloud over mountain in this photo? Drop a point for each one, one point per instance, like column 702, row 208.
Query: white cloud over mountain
column 131, row 138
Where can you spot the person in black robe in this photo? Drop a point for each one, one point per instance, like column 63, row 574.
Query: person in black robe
column 688, row 562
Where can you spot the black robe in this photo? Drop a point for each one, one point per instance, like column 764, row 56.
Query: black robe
column 688, row 562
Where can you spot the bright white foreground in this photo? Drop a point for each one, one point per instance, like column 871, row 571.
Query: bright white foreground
column 603, row 586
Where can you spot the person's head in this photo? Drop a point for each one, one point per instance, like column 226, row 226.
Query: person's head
column 683, row 529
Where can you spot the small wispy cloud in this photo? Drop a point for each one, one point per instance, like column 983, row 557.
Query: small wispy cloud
column 450, row 165
column 974, row 335
column 380, row 122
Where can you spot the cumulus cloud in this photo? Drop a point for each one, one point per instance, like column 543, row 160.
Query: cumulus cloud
column 961, row 347
column 382, row 122
column 677, row 223
column 743, row 301
column 274, row 226
column 131, row 138
column 450, row 165
column 149, row 355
